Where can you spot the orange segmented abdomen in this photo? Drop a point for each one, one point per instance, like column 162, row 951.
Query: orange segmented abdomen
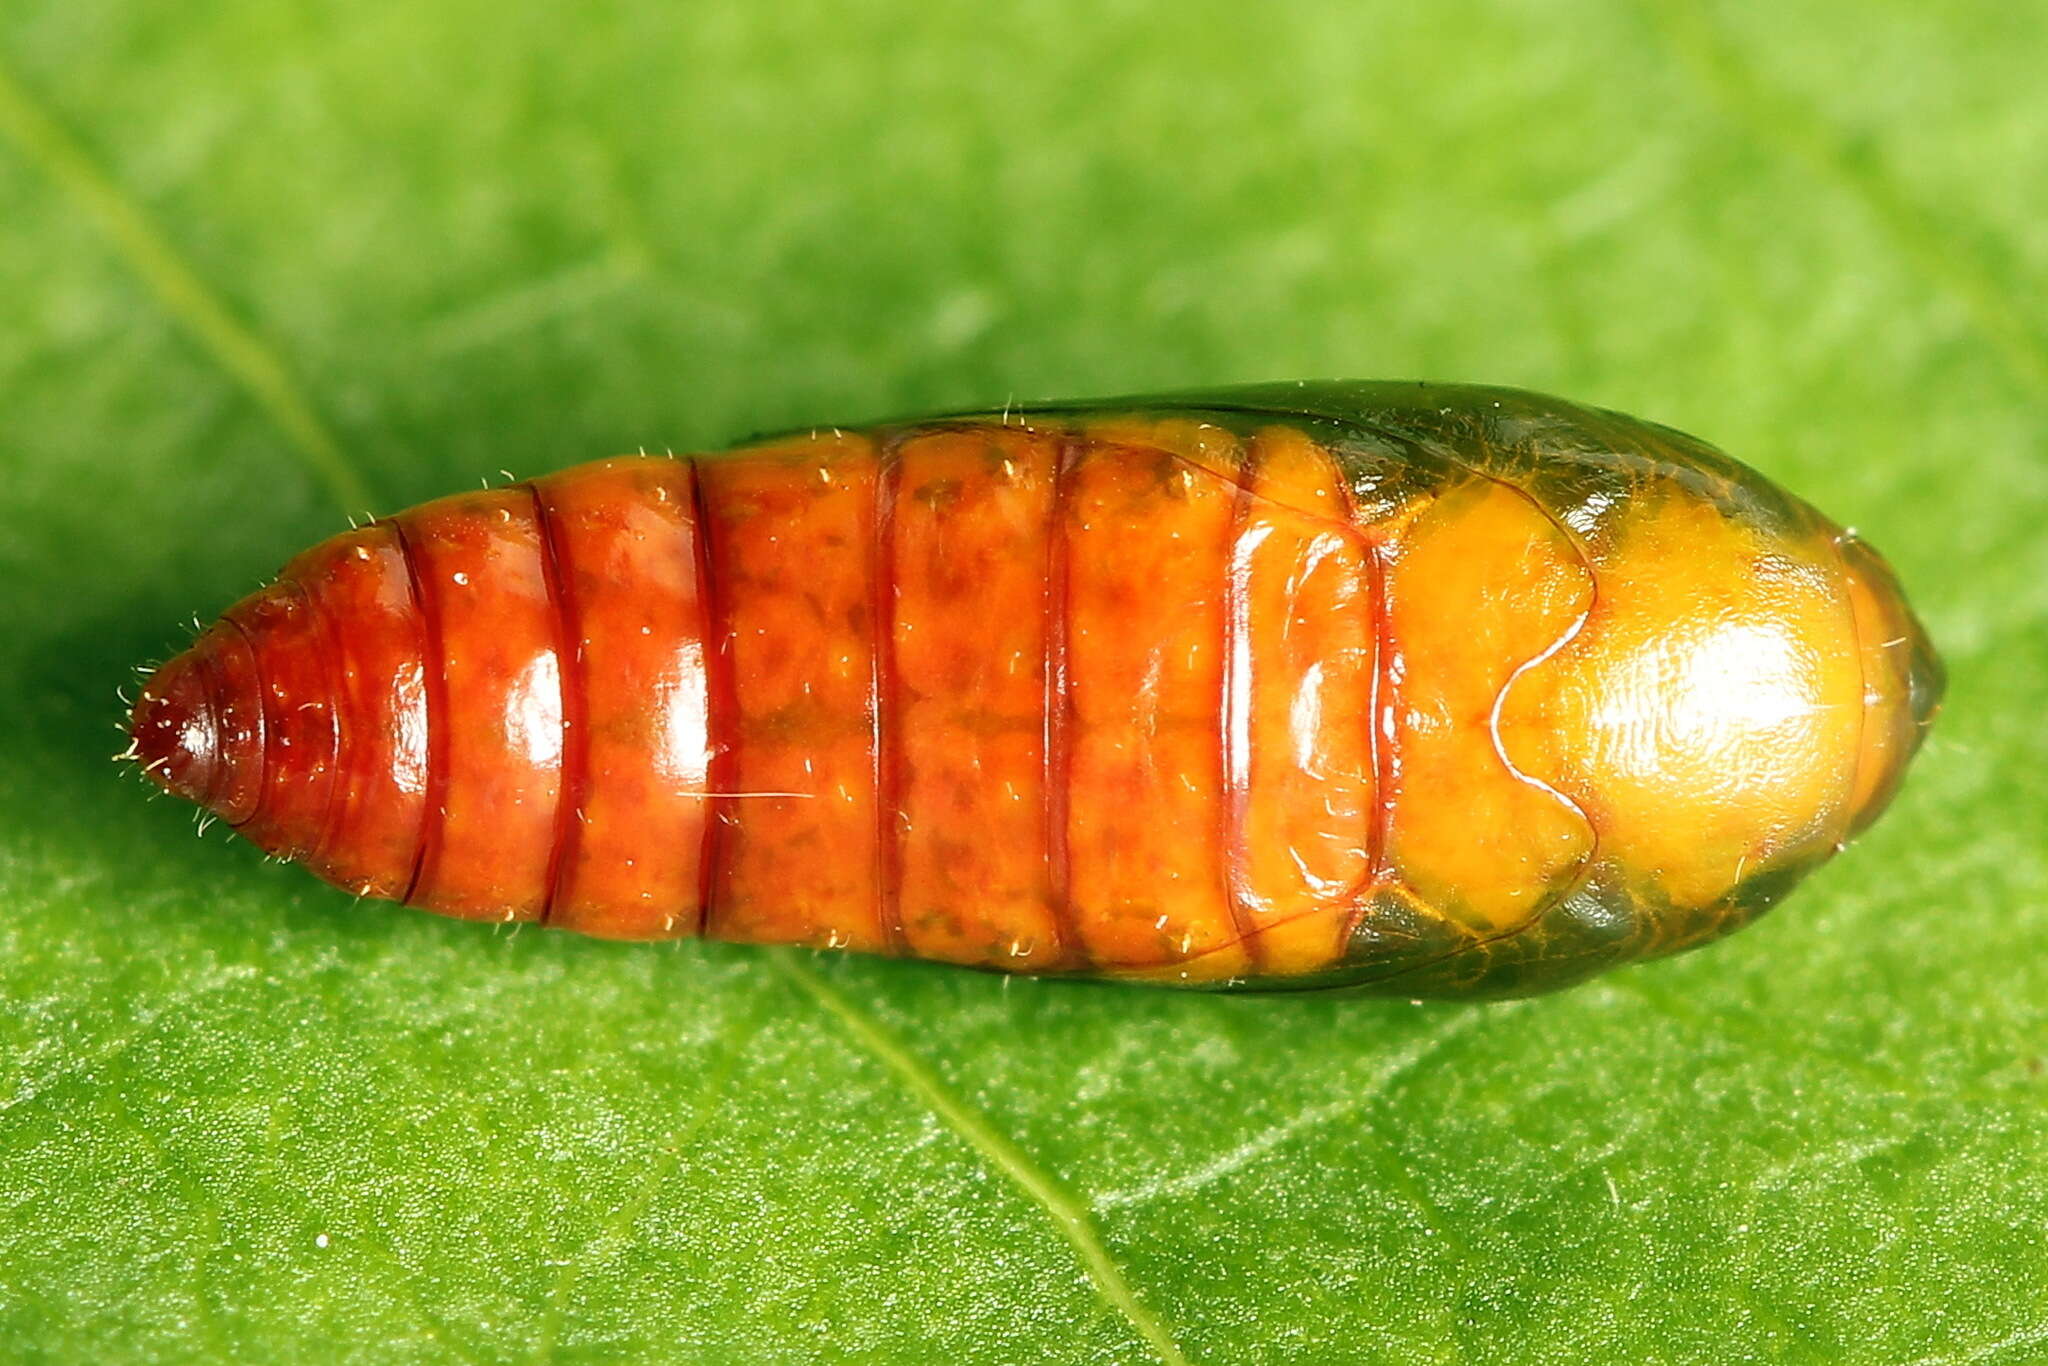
column 1422, row 690
column 977, row 700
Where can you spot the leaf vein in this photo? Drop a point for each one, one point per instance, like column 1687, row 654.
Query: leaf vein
column 248, row 359
column 1069, row 1216
column 1273, row 1136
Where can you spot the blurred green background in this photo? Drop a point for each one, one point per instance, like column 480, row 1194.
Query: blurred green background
column 265, row 263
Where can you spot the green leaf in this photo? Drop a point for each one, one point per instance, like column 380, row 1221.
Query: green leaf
column 262, row 263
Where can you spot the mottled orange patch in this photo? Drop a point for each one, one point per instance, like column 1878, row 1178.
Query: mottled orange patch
column 1203, row 447
column 1707, row 717
column 791, row 532
column 1146, row 538
column 970, row 553
column 1481, row 584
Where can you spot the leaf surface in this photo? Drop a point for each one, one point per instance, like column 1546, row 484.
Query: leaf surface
column 264, row 263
